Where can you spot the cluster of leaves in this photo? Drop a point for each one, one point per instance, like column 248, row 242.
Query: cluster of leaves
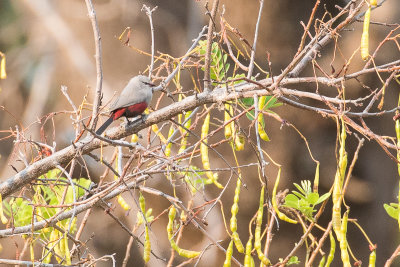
column 270, row 102
column 218, row 67
column 51, row 190
column 304, row 200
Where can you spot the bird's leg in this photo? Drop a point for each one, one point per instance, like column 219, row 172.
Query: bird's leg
column 143, row 117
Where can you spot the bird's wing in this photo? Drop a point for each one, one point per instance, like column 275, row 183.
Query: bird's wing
column 126, row 100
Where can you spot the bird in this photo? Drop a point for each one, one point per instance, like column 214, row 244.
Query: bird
column 132, row 102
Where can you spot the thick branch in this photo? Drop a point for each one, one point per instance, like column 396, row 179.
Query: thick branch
column 218, row 95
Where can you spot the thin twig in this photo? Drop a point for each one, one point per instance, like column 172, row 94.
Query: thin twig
column 253, row 48
column 260, row 152
column 184, row 59
column 320, row 244
column 99, row 70
column 207, row 59
column 307, row 28
column 149, row 13
column 395, row 254
column 30, row 263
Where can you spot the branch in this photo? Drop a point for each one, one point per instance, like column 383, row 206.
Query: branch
column 68, row 214
column 99, row 70
column 207, row 59
column 298, row 65
column 218, row 95
column 149, row 13
column 253, row 48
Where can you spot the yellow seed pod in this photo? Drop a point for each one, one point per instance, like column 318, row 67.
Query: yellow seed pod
column 233, row 128
column 2, row 217
column 155, row 129
column 322, row 261
column 248, row 259
column 239, row 142
column 372, row 259
column 123, row 203
column 170, row 226
column 62, row 247
column 134, row 138
column 228, row 257
column 186, row 253
column 54, row 237
column 235, row 206
column 212, row 177
column 343, row 241
column 238, row 243
column 257, row 232
column 169, row 146
column 3, row 74
column 338, row 184
column 365, row 35
column 31, row 250
column 336, row 209
column 47, row 259
column 332, row 250
column 260, row 119
column 147, row 245
column 263, row 135
column 233, row 222
column 183, row 217
column 281, row 215
column 227, row 117
column 187, row 125
column 316, row 179
column 142, row 203
column 180, row 97
column 67, row 255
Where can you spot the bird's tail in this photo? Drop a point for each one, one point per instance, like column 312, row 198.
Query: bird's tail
column 105, row 125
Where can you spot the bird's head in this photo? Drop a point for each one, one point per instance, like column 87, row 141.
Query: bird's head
column 142, row 80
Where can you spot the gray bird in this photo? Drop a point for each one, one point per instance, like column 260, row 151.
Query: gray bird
column 132, row 102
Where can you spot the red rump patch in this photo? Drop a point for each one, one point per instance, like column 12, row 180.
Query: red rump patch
column 118, row 113
column 131, row 111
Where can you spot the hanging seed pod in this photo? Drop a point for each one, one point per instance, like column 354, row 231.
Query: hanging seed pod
column 212, row 177
column 365, row 35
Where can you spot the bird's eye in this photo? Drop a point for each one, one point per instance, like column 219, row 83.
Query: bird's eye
column 149, row 84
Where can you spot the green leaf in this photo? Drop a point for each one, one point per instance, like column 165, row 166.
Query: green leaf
column 323, row 198
column 248, row 101
column 392, row 211
column 299, row 188
column 227, row 66
column 293, row 260
column 298, row 195
column 306, row 184
column 85, row 183
column 303, row 203
column 291, row 201
column 271, row 102
column 312, row 198
column 250, row 115
column 242, row 75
